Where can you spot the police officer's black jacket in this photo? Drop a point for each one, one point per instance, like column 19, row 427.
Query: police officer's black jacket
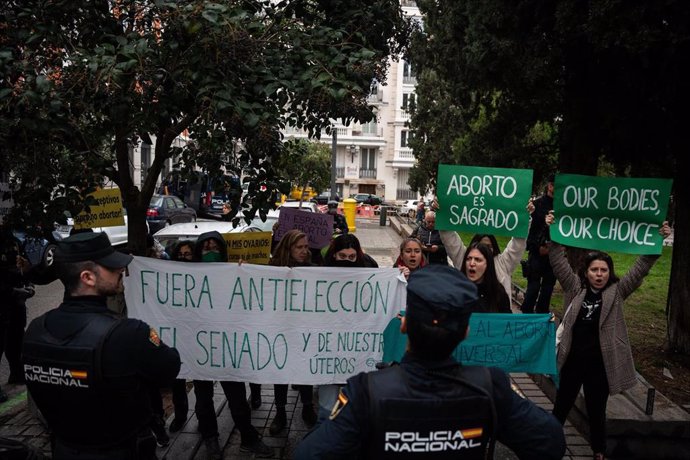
column 356, row 430
column 90, row 372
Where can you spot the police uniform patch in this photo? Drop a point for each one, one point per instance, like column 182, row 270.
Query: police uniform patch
column 339, row 405
column 154, row 338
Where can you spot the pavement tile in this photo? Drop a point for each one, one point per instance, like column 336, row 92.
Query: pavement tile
column 580, row 450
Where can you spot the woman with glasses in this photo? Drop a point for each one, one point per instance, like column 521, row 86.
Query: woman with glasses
column 594, row 351
column 182, row 252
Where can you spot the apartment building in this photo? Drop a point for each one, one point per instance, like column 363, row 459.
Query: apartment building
column 375, row 157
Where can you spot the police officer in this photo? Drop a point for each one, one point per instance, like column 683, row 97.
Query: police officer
column 430, row 406
column 339, row 222
column 14, row 290
column 88, row 370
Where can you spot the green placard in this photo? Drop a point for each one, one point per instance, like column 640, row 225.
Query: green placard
column 609, row 213
column 514, row 343
column 483, row 200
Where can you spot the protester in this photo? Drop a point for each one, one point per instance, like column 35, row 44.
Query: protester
column 346, row 251
column 421, row 209
column 594, row 351
column 211, row 247
column 431, row 239
column 182, row 252
column 429, row 393
column 98, row 408
column 540, row 277
column 478, row 266
column 505, row 262
column 410, row 257
column 158, row 419
column 292, row 251
column 339, row 222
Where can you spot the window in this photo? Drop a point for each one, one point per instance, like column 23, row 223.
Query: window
column 178, row 202
column 370, row 127
column 408, row 71
column 368, row 158
column 405, row 137
column 407, row 100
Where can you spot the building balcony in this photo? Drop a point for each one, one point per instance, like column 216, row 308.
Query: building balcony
column 405, row 194
column 409, row 80
column 402, row 115
column 405, row 153
column 375, row 98
column 367, row 173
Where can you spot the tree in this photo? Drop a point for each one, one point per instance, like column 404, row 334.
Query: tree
column 305, row 163
column 602, row 79
column 92, row 80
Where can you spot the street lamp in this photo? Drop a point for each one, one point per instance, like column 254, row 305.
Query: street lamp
column 353, row 151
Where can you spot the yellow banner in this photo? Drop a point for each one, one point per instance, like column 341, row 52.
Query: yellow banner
column 106, row 212
column 251, row 247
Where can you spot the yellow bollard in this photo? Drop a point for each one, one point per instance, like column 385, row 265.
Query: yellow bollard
column 350, row 210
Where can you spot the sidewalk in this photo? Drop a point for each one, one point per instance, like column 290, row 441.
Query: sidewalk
column 382, row 244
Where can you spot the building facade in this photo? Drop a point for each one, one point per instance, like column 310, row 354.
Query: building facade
column 375, row 157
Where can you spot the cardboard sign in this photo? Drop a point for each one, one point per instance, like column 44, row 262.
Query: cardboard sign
column 251, row 247
column 610, row 214
column 318, row 227
column 265, row 324
column 106, row 212
column 483, row 200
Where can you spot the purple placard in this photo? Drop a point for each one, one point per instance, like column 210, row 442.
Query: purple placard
column 318, row 227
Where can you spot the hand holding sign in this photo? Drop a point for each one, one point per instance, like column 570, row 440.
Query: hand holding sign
column 610, row 214
column 483, row 200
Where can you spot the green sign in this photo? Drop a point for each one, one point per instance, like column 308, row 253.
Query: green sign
column 610, row 214
column 514, row 343
column 483, row 200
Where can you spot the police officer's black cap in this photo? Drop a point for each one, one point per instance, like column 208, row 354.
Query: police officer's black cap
column 94, row 246
column 441, row 296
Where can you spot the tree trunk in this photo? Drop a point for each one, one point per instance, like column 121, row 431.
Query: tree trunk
column 678, row 307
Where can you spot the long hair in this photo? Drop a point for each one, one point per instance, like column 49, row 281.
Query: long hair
column 494, row 244
column 281, row 255
column 591, row 257
column 346, row 241
column 491, row 286
column 399, row 261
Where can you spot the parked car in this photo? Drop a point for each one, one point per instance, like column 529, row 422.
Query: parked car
column 167, row 210
column 409, row 208
column 169, row 236
column 118, row 235
column 324, row 198
column 367, row 198
column 308, row 206
column 39, row 251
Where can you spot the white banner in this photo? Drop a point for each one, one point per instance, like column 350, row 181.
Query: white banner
column 264, row 324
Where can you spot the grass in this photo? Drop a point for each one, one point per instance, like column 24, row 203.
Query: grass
column 645, row 315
